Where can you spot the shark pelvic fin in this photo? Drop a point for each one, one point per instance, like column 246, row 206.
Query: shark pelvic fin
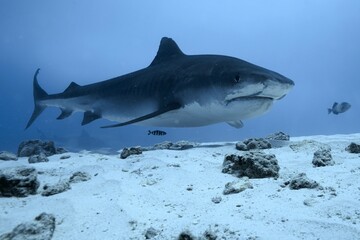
column 168, row 50
column 89, row 117
column 64, row 113
column 39, row 94
column 236, row 124
column 169, row 107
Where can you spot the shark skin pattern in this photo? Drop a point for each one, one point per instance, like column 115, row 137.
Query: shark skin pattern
column 175, row 90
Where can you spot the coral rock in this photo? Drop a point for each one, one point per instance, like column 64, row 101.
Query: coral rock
column 237, row 186
column 6, row 156
column 353, row 148
column 36, row 147
column 322, row 158
column 180, row 145
column 56, row 188
column 42, row 227
column 278, row 136
column 252, row 165
column 18, row 182
column 252, row 144
column 126, row 152
column 301, row 181
column 80, row 177
column 151, row 233
column 38, row 158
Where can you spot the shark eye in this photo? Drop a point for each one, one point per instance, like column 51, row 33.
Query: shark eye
column 237, row 78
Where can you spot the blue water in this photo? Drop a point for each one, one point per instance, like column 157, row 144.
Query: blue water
column 314, row 43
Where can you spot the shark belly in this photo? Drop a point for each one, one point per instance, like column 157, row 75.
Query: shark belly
column 195, row 114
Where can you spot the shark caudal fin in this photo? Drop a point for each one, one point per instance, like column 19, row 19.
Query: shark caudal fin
column 39, row 94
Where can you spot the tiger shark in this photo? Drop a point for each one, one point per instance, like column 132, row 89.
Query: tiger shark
column 175, row 90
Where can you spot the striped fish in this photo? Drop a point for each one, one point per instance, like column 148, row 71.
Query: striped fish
column 157, row 133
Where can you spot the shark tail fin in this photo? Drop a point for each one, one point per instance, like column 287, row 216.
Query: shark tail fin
column 329, row 110
column 39, row 94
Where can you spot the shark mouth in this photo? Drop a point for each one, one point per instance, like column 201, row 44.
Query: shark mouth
column 268, row 91
column 249, row 98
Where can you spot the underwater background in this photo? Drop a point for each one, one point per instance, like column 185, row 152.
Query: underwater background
column 314, row 43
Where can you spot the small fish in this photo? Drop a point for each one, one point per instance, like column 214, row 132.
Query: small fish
column 339, row 108
column 157, row 133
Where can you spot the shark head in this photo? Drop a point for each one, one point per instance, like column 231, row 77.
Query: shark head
column 246, row 89
column 241, row 80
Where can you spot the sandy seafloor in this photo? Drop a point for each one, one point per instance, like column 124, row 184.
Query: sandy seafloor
column 171, row 191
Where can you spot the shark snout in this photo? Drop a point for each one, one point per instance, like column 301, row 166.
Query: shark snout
column 281, row 79
column 277, row 88
column 271, row 88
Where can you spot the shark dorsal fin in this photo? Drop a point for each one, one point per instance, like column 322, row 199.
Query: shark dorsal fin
column 72, row 86
column 168, row 50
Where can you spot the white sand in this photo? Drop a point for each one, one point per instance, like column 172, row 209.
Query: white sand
column 126, row 197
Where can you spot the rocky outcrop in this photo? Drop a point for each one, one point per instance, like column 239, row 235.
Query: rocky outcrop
column 278, row 136
column 323, row 158
column 186, row 235
column 126, row 152
column 18, row 182
column 253, row 144
column 57, row 188
column 79, row 177
column 301, row 181
column 180, row 145
column 207, row 235
column 167, row 145
column 6, row 156
column 237, row 186
column 252, row 165
column 278, row 140
column 38, row 158
column 353, row 148
column 65, row 157
column 36, row 147
column 151, row 233
column 42, row 227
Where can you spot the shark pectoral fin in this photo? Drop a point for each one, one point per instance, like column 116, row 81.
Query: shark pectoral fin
column 64, row 113
column 169, row 107
column 89, row 117
column 236, row 124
